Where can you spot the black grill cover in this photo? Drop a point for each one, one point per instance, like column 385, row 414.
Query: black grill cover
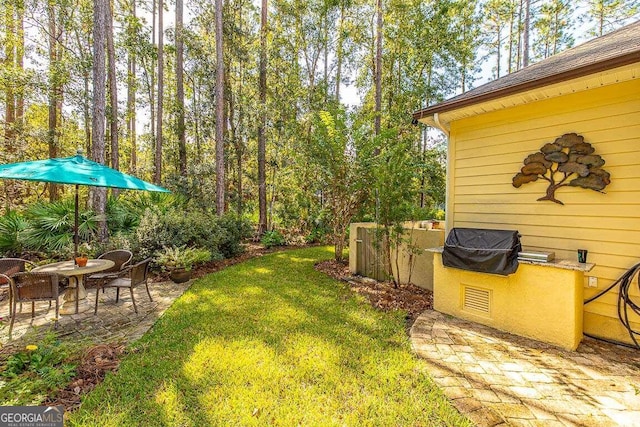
column 486, row 251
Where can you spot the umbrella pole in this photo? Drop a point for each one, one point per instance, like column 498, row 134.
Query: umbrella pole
column 75, row 229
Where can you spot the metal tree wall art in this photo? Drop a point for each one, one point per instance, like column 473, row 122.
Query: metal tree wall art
column 568, row 161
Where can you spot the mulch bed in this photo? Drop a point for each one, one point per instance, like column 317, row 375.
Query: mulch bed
column 382, row 295
column 94, row 365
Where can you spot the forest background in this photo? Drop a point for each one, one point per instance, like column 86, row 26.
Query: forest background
column 245, row 109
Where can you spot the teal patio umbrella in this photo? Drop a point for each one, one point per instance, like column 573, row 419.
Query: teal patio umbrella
column 76, row 170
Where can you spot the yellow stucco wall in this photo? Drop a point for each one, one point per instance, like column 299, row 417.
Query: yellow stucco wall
column 421, row 269
column 485, row 151
column 539, row 302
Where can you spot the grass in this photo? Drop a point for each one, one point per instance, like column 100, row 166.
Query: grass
column 29, row 376
column 270, row 342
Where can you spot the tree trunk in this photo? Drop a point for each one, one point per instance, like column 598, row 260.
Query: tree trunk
column 53, row 92
column 498, row 50
column 196, row 120
column 519, row 49
column 325, row 41
column 262, row 88
column 9, row 51
column 20, row 65
column 525, row 34
column 601, row 17
column 152, row 79
column 87, row 115
column 131, row 100
column 510, row 51
column 339, row 246
column 220, row 180
column 100, row 11
column 113, row 93
column 157, row 175
column 339, row 52
column 378, row 69
column 182, row 144
column 551, row 193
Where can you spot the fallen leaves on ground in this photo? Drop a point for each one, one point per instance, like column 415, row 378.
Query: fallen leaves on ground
column 383, row 295
column 94, row 365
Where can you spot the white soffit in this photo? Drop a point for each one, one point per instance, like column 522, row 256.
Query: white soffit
column 617, row 75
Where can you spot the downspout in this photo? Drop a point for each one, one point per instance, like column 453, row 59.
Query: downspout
column 444, row 127
column 441, row 126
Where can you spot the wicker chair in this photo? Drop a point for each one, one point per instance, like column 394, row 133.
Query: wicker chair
column 32, row 287
column 135, row 275
column 121, row 258
column 9, row 267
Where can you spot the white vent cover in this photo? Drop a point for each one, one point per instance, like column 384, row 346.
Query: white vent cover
column 476, row 300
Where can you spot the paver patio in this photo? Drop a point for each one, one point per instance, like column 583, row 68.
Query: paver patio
column 496, row 378
column 114, row 322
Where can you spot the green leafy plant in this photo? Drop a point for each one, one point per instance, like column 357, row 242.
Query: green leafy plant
column 235, row 229
column 122, row 215
column 195, row 228
column 12, row 226
column 51, row 226
column 317, row 235
column 175, row 257
column 29, row 376
column 396, row 178
column 272, row 238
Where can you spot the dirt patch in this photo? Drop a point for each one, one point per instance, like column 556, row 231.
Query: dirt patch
column 382, row 295
column 94, row 365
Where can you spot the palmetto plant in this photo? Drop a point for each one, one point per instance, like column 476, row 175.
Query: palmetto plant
column 122, row 217
column 161, row 202
column 51, row 226
column 12, row 226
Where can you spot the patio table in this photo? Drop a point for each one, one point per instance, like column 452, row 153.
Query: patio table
column 75, row 295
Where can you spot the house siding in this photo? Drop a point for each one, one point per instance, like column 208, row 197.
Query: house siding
column 487, row 150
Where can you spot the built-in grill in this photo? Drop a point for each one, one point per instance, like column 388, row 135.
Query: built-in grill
column 482, row 250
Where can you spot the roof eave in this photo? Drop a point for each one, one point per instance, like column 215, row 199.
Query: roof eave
column 585, row 70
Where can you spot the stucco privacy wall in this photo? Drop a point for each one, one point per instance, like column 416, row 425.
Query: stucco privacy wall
column 486, row 150
column 422, row 269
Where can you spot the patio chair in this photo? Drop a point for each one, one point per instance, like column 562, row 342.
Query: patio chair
column 32, row 287
column 121, row 258
column 9, row 267
column 129, row 278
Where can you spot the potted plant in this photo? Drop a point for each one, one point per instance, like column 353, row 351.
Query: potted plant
column 179, row 261
column 83, row 255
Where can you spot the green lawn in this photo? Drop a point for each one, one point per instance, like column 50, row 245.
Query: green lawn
column 271, row 341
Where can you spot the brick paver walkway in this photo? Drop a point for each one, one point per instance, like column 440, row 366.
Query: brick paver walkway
column 114, row 322
column 496, row 378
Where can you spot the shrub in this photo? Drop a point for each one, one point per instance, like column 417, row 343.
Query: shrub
column 236, row 229
column 201, row 229
column 318, row 235
column 117, row 241
column 272, row 238
column 182, row 257
column 294, row 239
